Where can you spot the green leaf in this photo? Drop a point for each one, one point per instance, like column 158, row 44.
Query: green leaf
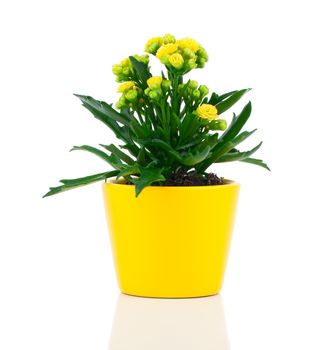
column 102, row 107
column 163, row 145
column 142, row 71
column 148, row 177
column 139, row 130
column 219, row 150
column 228, row 102
column 213, row 99
column 242, row 137
column 193, row 159
column 142, row 157
column 120, row 132
column 112, row 160
column 258, row 162
column 237, row 123
column 175, row 122
column 209, row 140
column 129, row 170
column 191, row 143
column 132, row 148
column 82, row 181
column 224, row 147
column 188, row 128
column 118, row 153
column 233, row 156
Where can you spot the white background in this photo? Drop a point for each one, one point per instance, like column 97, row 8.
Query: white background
column 57, row 284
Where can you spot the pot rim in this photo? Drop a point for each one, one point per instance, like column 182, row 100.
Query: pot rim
column 120, row 183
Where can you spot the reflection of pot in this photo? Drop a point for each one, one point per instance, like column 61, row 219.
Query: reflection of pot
column 170, row 242
column 169, row 324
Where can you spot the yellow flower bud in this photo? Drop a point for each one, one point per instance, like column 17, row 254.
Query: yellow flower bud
column 126, row 86
column 176, row 60
column 207, row 111
column 154, row 82
column 166, row 49
column 143, row 58
column 166, row 85
column 189, row 53
column 203, row 53
column 117, row 69
column 222, row 124
column 193, row 84
column 188, row 43
column 165, row 59
column 201, row 62
column 123, row 70
column 126, row 62
column 191, row 64
column 153, row 45
column 126, row 71
column 203, row 90
column 169, row 39
column 181, row 87
column 121, row 103
column 154, row 95
column 131, row 95
column 196, row 94
column 202, row 57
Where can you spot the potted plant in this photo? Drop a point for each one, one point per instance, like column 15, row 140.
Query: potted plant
column 170, row 220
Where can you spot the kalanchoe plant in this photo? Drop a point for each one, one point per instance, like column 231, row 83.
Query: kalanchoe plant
column 167, row 126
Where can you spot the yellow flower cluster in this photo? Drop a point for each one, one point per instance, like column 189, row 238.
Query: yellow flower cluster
column 124, row 70
column 155, row 43
column 192, row 91
column 131, row 95
column 157, row 86
column 182, row 55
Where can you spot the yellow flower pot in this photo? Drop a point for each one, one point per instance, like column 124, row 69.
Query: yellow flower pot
column 170, row 242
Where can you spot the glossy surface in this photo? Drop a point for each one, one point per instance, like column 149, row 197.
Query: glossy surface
column 170, row 242
column 168, row 324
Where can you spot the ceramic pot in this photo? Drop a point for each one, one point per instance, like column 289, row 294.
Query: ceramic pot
column 170, row 242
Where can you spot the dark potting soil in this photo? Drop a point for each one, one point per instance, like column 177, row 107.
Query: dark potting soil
column 190, row 179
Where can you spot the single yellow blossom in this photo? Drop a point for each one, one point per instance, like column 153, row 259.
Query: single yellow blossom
column 207, row 111
column 166, row 49
column 188, row 43
column 176, row 60
column 125, row 86
column 154, row 82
